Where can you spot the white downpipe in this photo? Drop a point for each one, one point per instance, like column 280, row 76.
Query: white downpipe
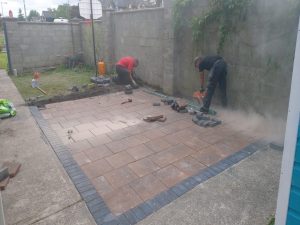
column 290, row 140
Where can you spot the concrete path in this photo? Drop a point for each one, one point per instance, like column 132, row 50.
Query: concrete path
column 243, row 195
column 41, row 193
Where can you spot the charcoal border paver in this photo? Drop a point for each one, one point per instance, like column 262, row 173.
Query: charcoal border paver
column 95, row 203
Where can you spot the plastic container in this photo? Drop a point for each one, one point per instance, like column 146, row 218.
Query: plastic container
column 101, row 67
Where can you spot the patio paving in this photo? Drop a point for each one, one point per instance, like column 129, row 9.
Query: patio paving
column 130, row 161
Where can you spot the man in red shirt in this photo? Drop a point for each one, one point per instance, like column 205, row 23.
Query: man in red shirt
column 125, row 70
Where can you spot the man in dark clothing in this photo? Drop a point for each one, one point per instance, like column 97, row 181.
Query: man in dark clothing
column 125, row 69
column 217, row 68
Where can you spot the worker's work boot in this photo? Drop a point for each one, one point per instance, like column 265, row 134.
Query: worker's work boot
column 204, row 110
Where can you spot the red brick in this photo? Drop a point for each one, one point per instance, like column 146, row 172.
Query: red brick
column 148, row 186
column 143, row 167
column 120, row 159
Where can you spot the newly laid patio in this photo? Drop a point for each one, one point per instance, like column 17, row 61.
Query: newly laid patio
column 128, row 160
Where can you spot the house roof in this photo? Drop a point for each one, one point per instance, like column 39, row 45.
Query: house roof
column 48, row 14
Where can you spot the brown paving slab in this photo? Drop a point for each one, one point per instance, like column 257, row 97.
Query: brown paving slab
column 171, row 155
column 153, row 134
column 195, row 143
column 133, row 130
column 101, row 122
column 96, row 168
column 170, row 175
column 100, row 130
column 82, row 135
column 211, row 138
column 81, row 158
column 189, row 165
column 120, row 159
column 97, row 153
column 121, row 200
column 143, row 167
column 73, row 116
column 117, row 146
column 116, row 125
column 148, row 186
column 79, row 146
column 69, row 124
column 158, row 145
column 102, row 186
column 86, row 119
column 209, row 155
column 118, row 134
column 85, row 126
column 120, row 177
column 140, row 151
column 99, row 140
column 56, row 126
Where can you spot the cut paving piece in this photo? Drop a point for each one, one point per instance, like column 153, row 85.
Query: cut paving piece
column 4, row 183
column 13, row 167
column 3, row 173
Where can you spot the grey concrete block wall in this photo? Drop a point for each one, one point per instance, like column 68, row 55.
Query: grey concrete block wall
column 35, row 45
column 140, row 34
column 259, row 56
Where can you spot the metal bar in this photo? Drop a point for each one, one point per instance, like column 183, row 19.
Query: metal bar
column 93, row 34
column 7, row 47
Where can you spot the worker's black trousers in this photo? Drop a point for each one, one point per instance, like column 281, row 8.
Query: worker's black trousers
column 217, row 75
column 123, row 75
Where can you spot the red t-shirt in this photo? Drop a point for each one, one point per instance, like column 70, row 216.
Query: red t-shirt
column 127, row 62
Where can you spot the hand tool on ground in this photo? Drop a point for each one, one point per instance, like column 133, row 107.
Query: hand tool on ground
column 160, row 118
column 35, row 84
column 129, row 100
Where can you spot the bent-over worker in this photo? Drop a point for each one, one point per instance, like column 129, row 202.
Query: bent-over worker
column 217, row 68
column 125, row 69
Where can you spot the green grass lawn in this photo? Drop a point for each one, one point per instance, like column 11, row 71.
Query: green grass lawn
column 3, row 55
column 55, row 82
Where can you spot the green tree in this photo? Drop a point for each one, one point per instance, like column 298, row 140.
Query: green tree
column 33, row 13
column 21, row 16
column 63, row 11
